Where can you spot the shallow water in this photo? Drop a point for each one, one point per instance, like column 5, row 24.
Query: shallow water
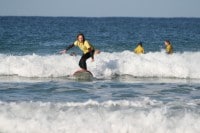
column 119, row 105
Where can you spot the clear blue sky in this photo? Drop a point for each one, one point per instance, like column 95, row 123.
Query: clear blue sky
column 101, row 8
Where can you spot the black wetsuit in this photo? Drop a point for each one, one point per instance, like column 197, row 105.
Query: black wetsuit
column 82, row 62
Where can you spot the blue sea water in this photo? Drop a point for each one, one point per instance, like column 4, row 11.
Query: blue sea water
column 150, row 93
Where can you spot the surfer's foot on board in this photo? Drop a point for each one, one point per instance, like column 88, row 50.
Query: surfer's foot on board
column 83, row 70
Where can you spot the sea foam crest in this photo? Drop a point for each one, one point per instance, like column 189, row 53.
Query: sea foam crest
column 106, row 65
column 94, row 117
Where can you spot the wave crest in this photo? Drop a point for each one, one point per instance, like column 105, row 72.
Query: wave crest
column 106, row 65
column 92, row 116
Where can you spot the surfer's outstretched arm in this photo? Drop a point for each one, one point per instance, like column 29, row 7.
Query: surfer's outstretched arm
column 69, row 47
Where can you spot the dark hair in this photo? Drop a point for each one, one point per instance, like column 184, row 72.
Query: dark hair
column 140, row 43
column 167, row 41
column 81, row 34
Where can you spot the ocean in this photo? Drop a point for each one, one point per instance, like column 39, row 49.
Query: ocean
column 149, row 93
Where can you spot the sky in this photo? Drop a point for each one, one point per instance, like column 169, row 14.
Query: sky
column 101, row 8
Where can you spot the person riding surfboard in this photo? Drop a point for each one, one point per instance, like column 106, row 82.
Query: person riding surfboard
column 87, row 49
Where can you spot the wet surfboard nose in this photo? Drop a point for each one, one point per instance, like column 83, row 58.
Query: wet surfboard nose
column 83, row 75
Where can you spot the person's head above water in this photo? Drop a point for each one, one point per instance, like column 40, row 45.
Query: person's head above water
column 80, row 37
column 167, row 42
column 139, row 44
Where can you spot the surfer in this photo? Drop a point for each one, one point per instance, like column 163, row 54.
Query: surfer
column 87, row 49
column 139, row 49
column 168, row 47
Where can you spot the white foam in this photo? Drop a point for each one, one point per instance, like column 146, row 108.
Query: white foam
column 38, row 66
column 94, row 117
column 106, row 65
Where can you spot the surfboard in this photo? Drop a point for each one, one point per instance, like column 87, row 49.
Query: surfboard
column 83, row 75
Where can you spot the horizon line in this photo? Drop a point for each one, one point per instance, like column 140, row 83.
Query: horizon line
column 93, row 16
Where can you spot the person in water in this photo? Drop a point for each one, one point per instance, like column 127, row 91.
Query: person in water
column 139, row 49
column 168, row 47
column 87, row 49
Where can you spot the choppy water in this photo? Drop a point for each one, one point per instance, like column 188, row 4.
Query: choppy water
column 150, row 93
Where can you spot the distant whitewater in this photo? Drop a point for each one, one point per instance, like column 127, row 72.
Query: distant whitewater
column 106, row 65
